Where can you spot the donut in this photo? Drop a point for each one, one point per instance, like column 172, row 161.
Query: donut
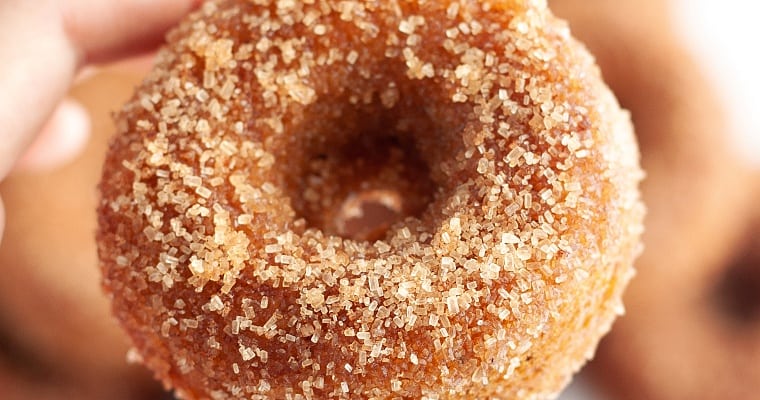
column 704, row 343
column 683, row 134
column 686, row 151
column 21, row 380
column 15, row 387
column 489, row 177
column 52, row 309
column 721, row 311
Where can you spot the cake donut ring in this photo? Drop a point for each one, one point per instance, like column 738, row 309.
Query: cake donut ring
column 260, row 115
column 687, row 154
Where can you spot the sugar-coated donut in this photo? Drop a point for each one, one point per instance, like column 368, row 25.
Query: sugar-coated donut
column 479, row 132
column 52, row 309
column 658, row 350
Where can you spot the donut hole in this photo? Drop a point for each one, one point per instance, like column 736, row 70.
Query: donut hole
column 369, row 214
column 364, row 167
column 359, row 185
column 738, row 291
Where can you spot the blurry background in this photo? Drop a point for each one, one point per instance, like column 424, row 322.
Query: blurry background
column 57, row 337
column 721, row 36
column 678, row 66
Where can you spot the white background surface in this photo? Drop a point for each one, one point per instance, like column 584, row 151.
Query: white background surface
column 724, row 35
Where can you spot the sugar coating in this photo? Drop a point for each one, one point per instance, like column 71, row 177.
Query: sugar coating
column 518, row 171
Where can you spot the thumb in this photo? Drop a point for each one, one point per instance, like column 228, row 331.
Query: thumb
column 44, row 42
column 37, row 68
column 61, row 139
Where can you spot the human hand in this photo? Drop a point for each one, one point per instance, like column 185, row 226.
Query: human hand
column 43, row 45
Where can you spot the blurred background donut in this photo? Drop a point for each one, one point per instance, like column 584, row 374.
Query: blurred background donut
column 56, row 327
column 699, row 195
column 701, row 340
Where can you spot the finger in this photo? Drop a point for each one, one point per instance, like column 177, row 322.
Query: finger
column 44, row 42
column 62, row 138
column 37, row 68
column 106, row 30
column 141, row 63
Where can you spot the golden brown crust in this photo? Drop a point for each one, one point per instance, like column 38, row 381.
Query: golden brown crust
column 698, row 197
column 213, row 237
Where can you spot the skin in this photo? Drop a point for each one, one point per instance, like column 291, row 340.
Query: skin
column 48, row 43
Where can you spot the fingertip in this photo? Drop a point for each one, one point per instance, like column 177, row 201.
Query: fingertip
column 105, row 31
column 62, row 139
